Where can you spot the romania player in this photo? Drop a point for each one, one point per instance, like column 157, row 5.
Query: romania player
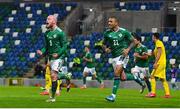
column 159, row 67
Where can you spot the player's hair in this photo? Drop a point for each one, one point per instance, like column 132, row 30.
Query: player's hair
column 116, row 19
column 156, row 35
column 137, row 37
column 87, row 46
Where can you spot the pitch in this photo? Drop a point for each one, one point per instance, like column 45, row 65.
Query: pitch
column 28, row 97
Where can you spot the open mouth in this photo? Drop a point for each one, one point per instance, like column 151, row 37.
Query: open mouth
column 47, row 23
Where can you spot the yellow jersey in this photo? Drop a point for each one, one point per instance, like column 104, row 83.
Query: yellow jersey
column 48, row 71
column 162, row 59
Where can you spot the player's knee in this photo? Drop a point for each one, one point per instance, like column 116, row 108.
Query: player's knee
column 152, row 77
column 84, row 74
column 145, row 78
column 94, row 76
column 173, row 81
column 162, row 79
column 54, row 76
column 118, row 70
column 141, row 75
column 134, row 71
column 117, row 73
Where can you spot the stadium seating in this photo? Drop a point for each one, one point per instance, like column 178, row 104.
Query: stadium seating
column 22, row 30
column 138, row 6
column 21, row 33
column 103, row 61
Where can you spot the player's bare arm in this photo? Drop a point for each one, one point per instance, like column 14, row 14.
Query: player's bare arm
column 55, row 55
column 39, row 52
column 126, row 51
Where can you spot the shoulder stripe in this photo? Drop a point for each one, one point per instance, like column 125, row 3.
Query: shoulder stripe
column 59, row 29
column 122, row 29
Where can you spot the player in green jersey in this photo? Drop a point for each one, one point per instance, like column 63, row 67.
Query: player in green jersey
column 64, row 74
column 141, row 62
column 118, row 41
column 90, row 68
column 55, row 49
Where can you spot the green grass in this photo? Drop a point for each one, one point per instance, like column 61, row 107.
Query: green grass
column 28, row 97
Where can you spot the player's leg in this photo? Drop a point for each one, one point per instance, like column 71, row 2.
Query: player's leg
column 85, row 73
column 166, row 87
column 153, row 85
column 146, row 73
column 160, row 73
column 173, row 83
column 135, row 71
column 55, row 66
column 47, row 82
column 63, row 74
column 54, row 78
column 176, row 86
column 84, row 80
column 148, row 83
column 58, row 87
column 137, row 79
column 94, row 75
column 135, row 75
column 68, row 82
column 118, row 69
column 117, row 72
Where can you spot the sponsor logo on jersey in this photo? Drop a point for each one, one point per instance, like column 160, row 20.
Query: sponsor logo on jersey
column 55, row 36
column 120, row 35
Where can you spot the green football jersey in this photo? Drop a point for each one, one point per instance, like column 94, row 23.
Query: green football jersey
column 117, row 41
column 56, row 42
column 141, row 50
column 88, row 55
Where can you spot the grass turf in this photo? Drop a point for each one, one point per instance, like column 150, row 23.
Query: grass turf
column 28, row 97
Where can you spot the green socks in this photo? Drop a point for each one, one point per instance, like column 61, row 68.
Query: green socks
column 116, row 85
column 148, row 84
column 99, row 80
column 84, row 80
column 130, row 76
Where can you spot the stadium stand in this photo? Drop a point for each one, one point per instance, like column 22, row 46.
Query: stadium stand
column 22, row 31
column 138, row 6
column 103, row 65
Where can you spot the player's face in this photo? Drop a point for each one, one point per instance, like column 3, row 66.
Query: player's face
column 50, row 22
column 86, row 49
column 153, row 38
column 112, row 23
column 136, row 41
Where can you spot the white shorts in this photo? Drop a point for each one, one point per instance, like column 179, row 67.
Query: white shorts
column 64, row 70
column 56, row 65
column 141, row 71
column 173, row 80
column 120, row 60
column 92, row 71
